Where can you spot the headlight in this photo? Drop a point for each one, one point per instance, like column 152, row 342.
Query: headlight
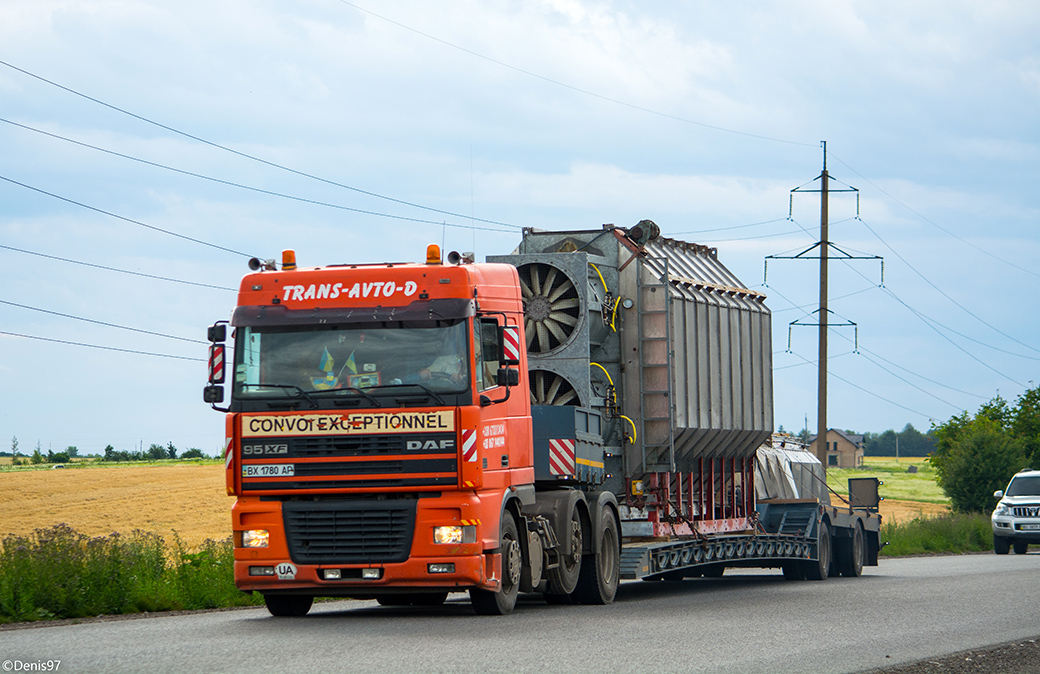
column 455, row 535
column 1002, row 509
column 255, row 538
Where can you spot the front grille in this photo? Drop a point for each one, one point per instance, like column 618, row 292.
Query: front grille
column 1032, row 510
column 349, row 532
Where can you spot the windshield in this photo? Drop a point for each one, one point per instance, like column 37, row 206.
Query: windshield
column 1024, row 486
column 334, row 360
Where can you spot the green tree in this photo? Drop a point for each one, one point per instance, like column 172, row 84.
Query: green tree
column 171, row 451
column 60, row 457
column 193, row 453
column 978, row 462
column 72, row 450
column 14, row 445
column 156, row 452
column 37, row 457
column 1025, row 424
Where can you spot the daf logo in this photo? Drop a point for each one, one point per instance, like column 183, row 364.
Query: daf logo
column 430, row 444
column 265, row 449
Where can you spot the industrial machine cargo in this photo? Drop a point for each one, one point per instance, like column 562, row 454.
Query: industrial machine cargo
column 587, row 409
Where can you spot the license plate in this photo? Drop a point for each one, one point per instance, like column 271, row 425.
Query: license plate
column 1029, row 527
column 269, row 470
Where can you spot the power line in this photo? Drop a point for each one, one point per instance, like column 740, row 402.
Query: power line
column 108, row 325
column 579, row 90
column 240, row 186
column 935, row 224
column 125, row 219
column 106, row 348
column 248, row 156
column 121, row 271
column 943, row 293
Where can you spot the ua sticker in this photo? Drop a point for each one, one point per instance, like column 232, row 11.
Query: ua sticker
column 285, row 571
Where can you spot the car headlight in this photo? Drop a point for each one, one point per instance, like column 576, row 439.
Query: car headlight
column 1002, row 509
column 255, row 538
column 455, row 534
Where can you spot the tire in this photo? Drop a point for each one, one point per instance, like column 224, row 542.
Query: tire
column 819, row 569
column 1001, row 545
column 564, row 578
column 600, row 572
column 1021, row 547
column 852, row 554
column 502, row 602
column 288, row 605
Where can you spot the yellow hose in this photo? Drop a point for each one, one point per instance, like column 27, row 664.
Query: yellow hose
column 600, row 277
column 604, row 372
column 633, row 438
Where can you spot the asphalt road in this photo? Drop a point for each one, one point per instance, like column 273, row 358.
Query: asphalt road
column 904, row 611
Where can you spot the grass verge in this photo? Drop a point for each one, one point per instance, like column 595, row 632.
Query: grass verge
column 930, row 535
column 58, row 573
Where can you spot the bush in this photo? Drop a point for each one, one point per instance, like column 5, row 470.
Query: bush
column 949, row 534
column 58, row 573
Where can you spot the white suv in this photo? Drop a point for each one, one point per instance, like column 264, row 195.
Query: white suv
column 1016, row 520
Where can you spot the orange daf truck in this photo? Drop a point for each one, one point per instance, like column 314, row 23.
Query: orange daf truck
column 402, row 431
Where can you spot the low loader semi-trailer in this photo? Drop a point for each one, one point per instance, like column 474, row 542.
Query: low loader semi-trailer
column 594, row 406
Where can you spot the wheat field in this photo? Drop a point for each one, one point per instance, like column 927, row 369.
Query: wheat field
column 187, row 500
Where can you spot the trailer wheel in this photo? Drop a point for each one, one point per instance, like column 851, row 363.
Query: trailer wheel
column 488, row 602
column 819, row 569
column 852, row 552
column 564, row 578
column 601, row 571
column 288, row 605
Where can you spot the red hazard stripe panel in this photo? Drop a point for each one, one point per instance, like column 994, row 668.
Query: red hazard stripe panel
column 561, row 457
column 469, row 446
column 216, row 364
column 511, row 343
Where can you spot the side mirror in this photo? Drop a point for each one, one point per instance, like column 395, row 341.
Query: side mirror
column 213, row 394
column 507, row 376
column 998, row 494
column 217, row 332
column 509, row 338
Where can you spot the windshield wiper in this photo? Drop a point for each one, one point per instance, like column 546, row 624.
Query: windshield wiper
column 368, row 396
column 303, row 394
column 428, row 391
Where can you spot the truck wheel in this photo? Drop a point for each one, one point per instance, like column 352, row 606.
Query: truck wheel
column 1001, row 545
column 850, row 559
column 288, row 605
column 1021, row 547
column 601, row 572
column 819, row 569
column 564, row 578
column 488, row 602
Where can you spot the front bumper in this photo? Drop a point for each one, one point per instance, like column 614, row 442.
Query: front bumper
column 1017, row 529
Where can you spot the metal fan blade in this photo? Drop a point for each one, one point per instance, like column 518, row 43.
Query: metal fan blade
column 536, row 284
column 549, row 279
column 556, row 330
column 543, row 338
column 566, row 397
column 525, row 290
column 568, row 303
column 554, row 389
column 561, row 317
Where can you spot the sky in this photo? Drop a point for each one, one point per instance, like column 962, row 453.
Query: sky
column 150, row 148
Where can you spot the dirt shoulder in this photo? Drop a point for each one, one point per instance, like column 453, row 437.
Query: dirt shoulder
column 1014, row 657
